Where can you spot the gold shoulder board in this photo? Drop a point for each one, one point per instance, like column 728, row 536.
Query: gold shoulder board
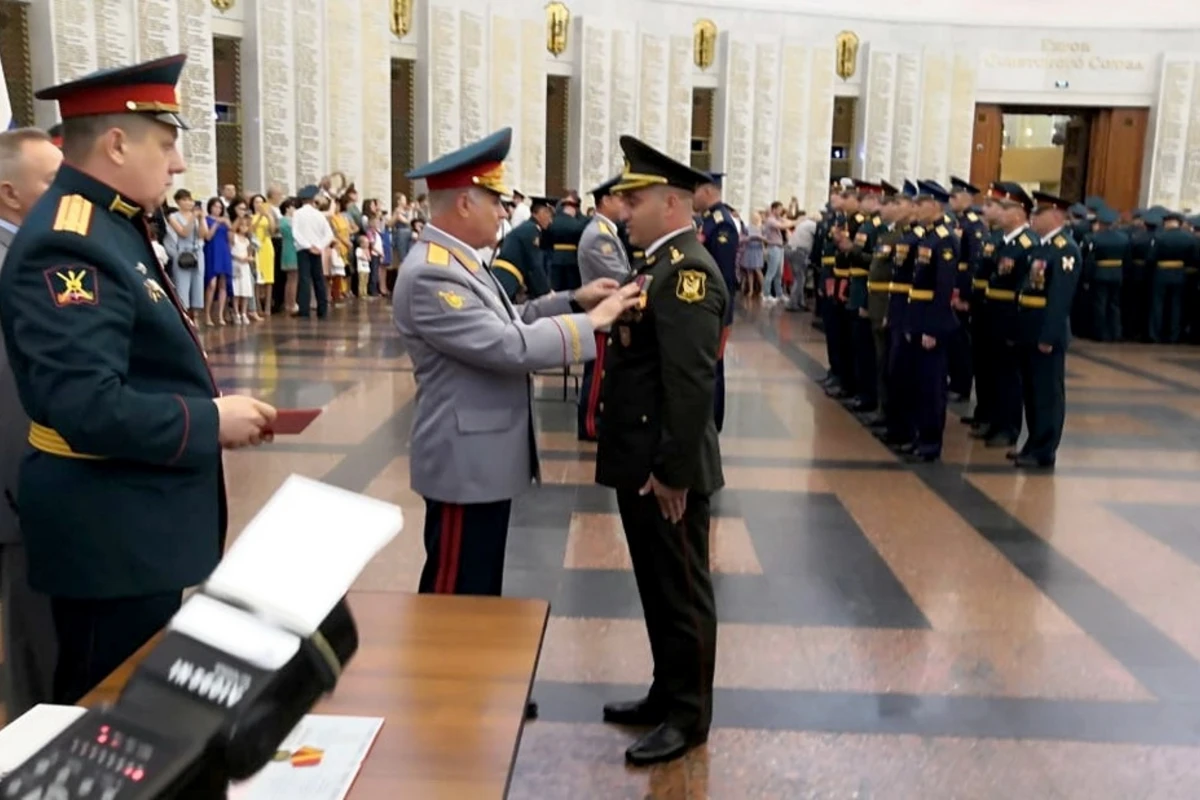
column 1060, row 241
column 1024, row 240
column 941, row 230
column 972, row 216
column 74, row 215
column 438, row 255
column 718, row 217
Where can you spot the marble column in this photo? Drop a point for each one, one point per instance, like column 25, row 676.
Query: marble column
column 595, row 105
column 794, row 123
column 374, row 102
column 962, row 114
column 764, row 169
column 891, row 114
column 1176, row 126
column 308, row 61
column 344, row 88
column 820, row 110
column 738, row 87
column 935, row 114
column 505, row 65
column 679, row 99
column 623, row 95
column 116, row 32
column 654, row 84
column 533, row 106
column 269, row 96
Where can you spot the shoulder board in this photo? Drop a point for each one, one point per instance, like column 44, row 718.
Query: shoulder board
column 1025, row 240
column 437, row 255
column 877, row 220
column 718, row 217
column 859, row 217
column 1060, row 241
column 941, row 230
column 972, row 216
column 604, row 228
column 74, row 215
column 919, row 230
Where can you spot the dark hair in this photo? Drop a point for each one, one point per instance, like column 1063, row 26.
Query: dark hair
column 253, row 197
column 209, row 206
column 182, row 194
column 290, row 203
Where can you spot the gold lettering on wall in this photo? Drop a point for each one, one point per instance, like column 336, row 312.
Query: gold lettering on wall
column 1061, row 54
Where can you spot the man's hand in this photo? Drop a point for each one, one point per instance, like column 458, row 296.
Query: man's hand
column 863, row 313
column 671, row 502
column 1045, row 348
column 605, row 313
column 592, row 293
column 243, row 421
column 928, row 342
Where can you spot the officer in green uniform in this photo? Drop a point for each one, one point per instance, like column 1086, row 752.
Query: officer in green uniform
column 561, row 243
column 862, row 252
column 1105, row 260
column 1171, row 252
column 658, row 448
column 1044, row 328
column 1012, row 262
column 520, row 266
column 982, row 346
column 1136, row 283
column 893, row 213
column 899, row 431
column 845, row 232
column 971, row 232
column 121, row 496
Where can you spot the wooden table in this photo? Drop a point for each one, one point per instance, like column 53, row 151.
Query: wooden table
column 451, row 676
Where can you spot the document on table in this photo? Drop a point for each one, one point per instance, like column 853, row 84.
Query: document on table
column 32, row 731
column 318, row 760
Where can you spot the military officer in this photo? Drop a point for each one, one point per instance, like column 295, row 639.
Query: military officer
column 893, row 213
column 1043, row 324
column 861, row 254
column 561, row 243
column 822, row 261
column 601, row 255
column 930, row 321
column 659, row 449
column 982, row 346
column 972, row 232
column 1171, row 252
column 900, row 431
column 720, row 237
column 127, row 422
column 1136, row 284
column 520, row 266
column 473, row 447
column 1106, row 258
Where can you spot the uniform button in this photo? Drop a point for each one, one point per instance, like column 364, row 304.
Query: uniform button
column 643, row 419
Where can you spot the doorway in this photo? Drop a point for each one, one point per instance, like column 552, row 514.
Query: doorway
column 558, row 105
column 841, row 157
column 1073, row 153
column 703, row 102
column 403, row 106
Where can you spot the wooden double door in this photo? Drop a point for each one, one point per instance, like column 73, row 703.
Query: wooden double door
column 1102, row 152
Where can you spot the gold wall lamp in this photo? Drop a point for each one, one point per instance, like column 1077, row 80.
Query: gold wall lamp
column 402, row 14
column 846, row 58
column 704, row 43
column 222, row 5
column 558, row 17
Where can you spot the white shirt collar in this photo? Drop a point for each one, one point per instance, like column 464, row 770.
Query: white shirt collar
column 1052, row 234
column 660, row 242
column 1008, row 237
column 8, row 226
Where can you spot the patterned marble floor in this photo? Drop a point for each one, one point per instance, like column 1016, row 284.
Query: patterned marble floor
column 957, row 630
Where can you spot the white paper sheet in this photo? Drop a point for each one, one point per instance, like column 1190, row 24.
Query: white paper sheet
column 31, row 731
column 343, row 743
column 236, row 632
column 302, row 552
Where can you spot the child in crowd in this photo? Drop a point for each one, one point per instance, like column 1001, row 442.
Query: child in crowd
column 362, row 259
column 243, row 280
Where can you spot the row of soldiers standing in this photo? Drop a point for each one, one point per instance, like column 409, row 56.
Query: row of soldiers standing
column 916, row 283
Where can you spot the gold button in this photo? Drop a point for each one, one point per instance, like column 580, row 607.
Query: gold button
column 643, row 419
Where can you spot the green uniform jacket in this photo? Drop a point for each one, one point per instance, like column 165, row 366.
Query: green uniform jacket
column 1171, row 252
column 860, row 262
column 122, row 492
column 1044, row 302
column 1012, row 262
column 520, row 265
column 659, row 373
column 561, row 244
column 879, row 275
column 1107, row 256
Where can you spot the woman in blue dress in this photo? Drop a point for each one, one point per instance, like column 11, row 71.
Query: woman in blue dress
column 218, row 262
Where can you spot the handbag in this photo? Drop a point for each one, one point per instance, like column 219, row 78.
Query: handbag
column 188, row 258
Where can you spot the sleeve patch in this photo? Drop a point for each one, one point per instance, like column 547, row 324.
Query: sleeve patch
column 73, row 286
column 74, row 215
column 607, row 248
column 1060, row 242
column 451, row 299
column 690, row 286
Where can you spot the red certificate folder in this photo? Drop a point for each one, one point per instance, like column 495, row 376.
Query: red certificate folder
column 291, row 421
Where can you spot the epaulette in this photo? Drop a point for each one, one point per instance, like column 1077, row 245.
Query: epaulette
column 919, row 230
column 607, row 231
column 858, row 217
column 876, row 220
column 1060, row 241
column 941, row 230
column 437, row 255
column 972, row 216
column 74, row 215
column 1025, row 241
column 464, row 259
column 718, row 217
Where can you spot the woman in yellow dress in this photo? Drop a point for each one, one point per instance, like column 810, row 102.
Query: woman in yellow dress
column 263, row 226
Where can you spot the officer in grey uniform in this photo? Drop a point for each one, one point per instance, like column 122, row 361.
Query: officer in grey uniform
column 601, row 255
column 473, row 447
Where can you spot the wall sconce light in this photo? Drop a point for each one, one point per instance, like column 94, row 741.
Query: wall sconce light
column 402, row 13
column 704, row 43
column 846, row 59
column 558, row 17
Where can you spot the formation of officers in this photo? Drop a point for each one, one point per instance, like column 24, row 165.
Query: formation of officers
column 924, row 291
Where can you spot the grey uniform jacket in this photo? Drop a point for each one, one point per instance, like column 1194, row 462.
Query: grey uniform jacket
column 472, row 353
column 14, row 430
column 601, row 254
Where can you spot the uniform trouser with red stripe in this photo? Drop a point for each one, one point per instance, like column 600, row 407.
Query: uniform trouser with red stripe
column 670, row 565
column 464, row 547
column 589, row 391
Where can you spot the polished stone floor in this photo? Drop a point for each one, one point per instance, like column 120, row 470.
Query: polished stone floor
column 957, row 630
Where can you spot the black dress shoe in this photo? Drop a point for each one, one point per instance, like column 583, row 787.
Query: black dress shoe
column 664, row 743
column 1000, row 441
column 636, row 712
column 978, row 432
column 1029, row 462
column 903, row 449
column 531, row 710
column 1013, row 455
column 967, row 420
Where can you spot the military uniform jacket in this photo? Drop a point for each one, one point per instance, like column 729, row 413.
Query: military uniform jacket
column 987, row 266
column 1044, row 304
column 879, row 275
column 520, row 265
column 1139, row 250
column 601, row 253
column 1106, row 256
column 14, row 431
column 561, row 243
column 860, row 261
column 903, row 264
column 1012, row 262
column 720, row 236
column 1171, row 253
column 844, row 259
column 472, row 352
column 659, row 375
column 935, row 268
column 122, row 494
column 973, row 235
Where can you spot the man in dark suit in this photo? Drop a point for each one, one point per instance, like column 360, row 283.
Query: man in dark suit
column 659, row 449
column 121, row 500
column 520, row 266
column 28, row 162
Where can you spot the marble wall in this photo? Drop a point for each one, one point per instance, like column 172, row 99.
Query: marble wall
column 1175, row 171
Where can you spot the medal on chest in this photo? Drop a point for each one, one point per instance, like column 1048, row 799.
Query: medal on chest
column 1006, row 265
column 1037, row 274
